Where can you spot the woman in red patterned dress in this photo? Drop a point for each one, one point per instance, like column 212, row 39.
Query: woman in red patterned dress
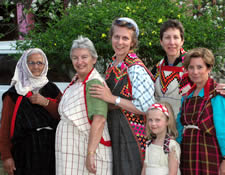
column 201, row 120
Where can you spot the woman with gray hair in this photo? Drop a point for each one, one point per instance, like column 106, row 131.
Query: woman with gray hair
column 83, row 143
column 29, row 118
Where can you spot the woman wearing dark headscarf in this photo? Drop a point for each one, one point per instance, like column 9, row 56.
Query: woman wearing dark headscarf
column 29, row 118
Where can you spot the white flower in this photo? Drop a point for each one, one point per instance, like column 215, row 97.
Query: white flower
column 195, row 16
column 51, row 15
column 219, row 19
column 12, row 15
column 35, row 9
column 33, row 5
column 1, row 18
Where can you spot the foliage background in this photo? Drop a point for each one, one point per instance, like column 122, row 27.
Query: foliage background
column 54, row 33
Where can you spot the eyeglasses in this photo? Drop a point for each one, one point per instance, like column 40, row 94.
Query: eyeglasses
column 125, row 23
column 38, row 63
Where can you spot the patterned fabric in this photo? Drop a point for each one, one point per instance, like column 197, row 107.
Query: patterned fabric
column 170, row 82
column 156, row 159
column 161, row 108
column 34, row 135
column 127, row 130
column 165, row 144
column 198, row 143
column 73, row 133
column 142, row 88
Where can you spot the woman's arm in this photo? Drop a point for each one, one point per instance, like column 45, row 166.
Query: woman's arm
column 218, row 104
column 95, row 135
column 222, row 168
column 220, row 88
column 50, row 106
column 7, row 113
column 104, row 93
column 5, row 143
column 179, row 125
column 142, row 92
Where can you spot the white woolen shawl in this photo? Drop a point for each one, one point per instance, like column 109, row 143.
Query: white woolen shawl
column 23, row 79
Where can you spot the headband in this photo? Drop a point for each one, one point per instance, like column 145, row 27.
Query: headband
column 131, row 21
column 161, row 108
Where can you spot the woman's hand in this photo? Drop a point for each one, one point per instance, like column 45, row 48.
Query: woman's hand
column 102, row 92
column 38, row 99
column 220, row 88
column 90, row 163
column 105, row 94
column 222, row 168
column 9, row 166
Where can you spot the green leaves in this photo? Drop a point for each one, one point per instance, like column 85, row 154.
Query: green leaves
column 93, row 19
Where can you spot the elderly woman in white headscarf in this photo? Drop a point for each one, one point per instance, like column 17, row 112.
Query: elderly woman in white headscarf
column 29, row 118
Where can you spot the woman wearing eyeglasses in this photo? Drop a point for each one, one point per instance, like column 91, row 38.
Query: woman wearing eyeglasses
column 29, row 118
column 129, row 92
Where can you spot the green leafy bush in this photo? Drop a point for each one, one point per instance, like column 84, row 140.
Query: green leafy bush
column 93, row 20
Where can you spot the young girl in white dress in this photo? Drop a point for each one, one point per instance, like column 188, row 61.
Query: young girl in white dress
column 162, row 155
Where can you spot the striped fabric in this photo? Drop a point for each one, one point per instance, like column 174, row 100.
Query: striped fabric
column 200, row 152
column 73, row 133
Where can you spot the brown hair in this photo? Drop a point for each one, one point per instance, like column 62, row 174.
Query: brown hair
column 206, row 55
column 172, row 23
column 171, row 128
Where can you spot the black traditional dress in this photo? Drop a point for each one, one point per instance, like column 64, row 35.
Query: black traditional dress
column 127, row 130
column 33, row 133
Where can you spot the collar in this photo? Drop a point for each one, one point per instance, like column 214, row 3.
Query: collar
column 166, row 143
column 178, row 59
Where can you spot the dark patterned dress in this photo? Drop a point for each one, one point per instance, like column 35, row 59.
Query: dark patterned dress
column 200, row 151
column 33, row 133
column 127, row 130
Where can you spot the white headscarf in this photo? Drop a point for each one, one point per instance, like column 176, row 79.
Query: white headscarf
column 24, row 80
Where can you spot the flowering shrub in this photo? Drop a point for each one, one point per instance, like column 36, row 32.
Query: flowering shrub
column 204, row 27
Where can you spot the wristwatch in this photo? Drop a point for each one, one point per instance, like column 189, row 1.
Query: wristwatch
column 117, row 101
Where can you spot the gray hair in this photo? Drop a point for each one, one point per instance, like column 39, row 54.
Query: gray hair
column 84, row 43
